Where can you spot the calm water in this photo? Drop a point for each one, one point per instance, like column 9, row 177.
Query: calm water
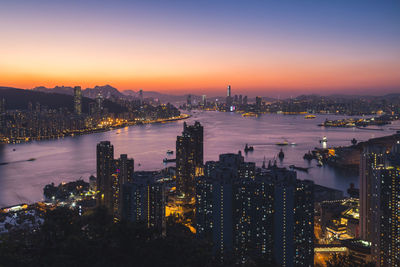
column 74, row 157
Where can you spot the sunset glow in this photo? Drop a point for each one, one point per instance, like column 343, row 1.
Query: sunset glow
column 263, row 47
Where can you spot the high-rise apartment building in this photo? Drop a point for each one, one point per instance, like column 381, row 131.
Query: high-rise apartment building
column 77, row 100
column 122, row 173
column 144, row 201
column 2, row 115
column 253, row 216
column 189, row 159
column 380, row 202
column 105, row 168
column 293, row 219
column 189, row 101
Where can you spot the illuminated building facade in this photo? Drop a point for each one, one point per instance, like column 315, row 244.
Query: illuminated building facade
column 111, row 175
column 204, row 100
column 189, row 159
column 381, row 180
column 122, row 173
column 229, row 98
column 372, row 158
column 293, row 225
column 99, row 103
column 144, row 201
column 105, row 167
column 266, row 216
column 2, row 115
column 77, row 100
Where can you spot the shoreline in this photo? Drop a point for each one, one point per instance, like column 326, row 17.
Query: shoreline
column 100, row 130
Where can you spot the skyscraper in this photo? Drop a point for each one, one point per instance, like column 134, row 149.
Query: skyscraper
column 245, row 100
column 122, row 173
column 141, row 96
column 380, row 202
column 125, row 167
column 2, row 115
column 189, row 101
column 258, row 103
column 77, row 100
column 228, row 98
column 144, row 201
column 268, row 215
column 204, row 100
column 293, row 220
column 189, row 159
column 372, row 157
column 105, row 167
column 99, row 103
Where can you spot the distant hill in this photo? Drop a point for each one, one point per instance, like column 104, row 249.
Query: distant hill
column 107, row 91
column 65, row 90
column 19, row 99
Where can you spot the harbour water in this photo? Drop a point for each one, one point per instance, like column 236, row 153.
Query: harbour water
column 71, row 158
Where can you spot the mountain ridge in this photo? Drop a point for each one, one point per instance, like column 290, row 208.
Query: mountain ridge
column 108, row 91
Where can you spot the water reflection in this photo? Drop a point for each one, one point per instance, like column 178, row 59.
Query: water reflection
column 69, row 158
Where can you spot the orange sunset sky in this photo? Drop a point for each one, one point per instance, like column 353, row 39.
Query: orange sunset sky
column 266, row 48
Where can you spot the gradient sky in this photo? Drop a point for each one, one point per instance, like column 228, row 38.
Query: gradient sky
column 259, row 47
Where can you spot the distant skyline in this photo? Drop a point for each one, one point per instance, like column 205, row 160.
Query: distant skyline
column 268, row 48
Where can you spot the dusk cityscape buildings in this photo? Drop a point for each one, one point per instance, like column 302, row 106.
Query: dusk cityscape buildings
column 144, row 201
column 105, row 167
column 189, row 159
column 379, row 202
column 245, row 212
column 268, row 215
column 78, row 100
column 200, row 133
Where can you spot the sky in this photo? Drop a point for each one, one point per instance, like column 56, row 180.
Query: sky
column 259, row 47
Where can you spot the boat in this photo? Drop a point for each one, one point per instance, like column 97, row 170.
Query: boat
column 31, row 159
column 170, row 152
column 293, row 144
column 169, row 160
column 323, row 140
column 14, row 149
column 308, row 117
column 250, row 114
column 282, row 144
column 298, row 168
column 281, row 155
column 248, row 148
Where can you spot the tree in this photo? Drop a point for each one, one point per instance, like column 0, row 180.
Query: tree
column 339, row 260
